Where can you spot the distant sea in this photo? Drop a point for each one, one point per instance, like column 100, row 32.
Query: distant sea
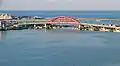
column 76, row 14
column 82, row 14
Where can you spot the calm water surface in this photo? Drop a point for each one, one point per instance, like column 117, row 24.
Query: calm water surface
column 59, row 48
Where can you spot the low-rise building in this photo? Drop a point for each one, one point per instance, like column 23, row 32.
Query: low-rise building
column 5, row 16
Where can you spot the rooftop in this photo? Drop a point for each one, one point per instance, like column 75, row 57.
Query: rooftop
column 5, row 16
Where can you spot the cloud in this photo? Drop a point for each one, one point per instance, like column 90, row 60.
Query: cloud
column 51, row 0
column 60, row 5
column 0, row 3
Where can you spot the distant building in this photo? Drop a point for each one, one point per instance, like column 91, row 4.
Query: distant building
column 5, row 16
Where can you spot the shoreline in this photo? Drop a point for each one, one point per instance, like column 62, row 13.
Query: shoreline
column 37, row 22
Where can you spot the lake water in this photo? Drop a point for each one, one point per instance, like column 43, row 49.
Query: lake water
column 59, row 48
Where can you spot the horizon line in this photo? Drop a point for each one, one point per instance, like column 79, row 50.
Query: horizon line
column 59, row 10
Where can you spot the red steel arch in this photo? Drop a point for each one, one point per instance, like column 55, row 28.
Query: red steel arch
column 63, row 20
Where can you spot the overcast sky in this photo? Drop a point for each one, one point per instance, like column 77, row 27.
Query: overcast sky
column 59, row 4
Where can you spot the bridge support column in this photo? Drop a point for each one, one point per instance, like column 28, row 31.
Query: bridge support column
column 34, row 25
column 78, row 26
column 45, row 26
column 25, row 25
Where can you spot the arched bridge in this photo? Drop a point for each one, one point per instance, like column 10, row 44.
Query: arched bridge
column 63, row 20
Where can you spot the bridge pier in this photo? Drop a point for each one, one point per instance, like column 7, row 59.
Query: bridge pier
column 34, row 25
column 45, row 25
column 25, row 25
column 79, row 26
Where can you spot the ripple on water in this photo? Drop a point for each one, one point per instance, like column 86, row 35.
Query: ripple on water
column 59, row 48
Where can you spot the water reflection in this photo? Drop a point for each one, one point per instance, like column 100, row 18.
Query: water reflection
column 2, row 35
column 59, row 48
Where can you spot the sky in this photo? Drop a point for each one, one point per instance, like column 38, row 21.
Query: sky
column 59, row 4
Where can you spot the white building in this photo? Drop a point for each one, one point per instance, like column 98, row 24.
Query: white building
column 5, row 16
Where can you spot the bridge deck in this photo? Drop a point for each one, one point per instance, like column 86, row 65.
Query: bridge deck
column 86, row 24
column 43, row 21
